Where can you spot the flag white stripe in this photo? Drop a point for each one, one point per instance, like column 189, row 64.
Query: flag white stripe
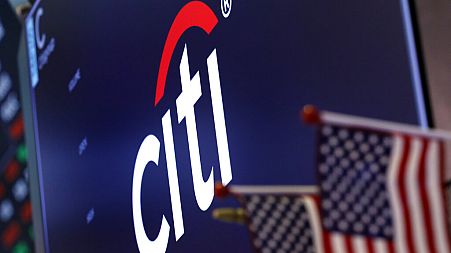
column 393, row 170
column 380, row 246
column 434, row 186
column 359, row 244
column 414, row 196
column 315, row 221
column 388, row 126
column 338, row 243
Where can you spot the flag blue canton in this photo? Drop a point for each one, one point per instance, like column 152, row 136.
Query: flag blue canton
column 279, row 224
column 353, row 165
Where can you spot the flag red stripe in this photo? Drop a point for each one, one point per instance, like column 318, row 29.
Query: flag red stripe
column 403, row 195
column 370, row 245
column 391, row 247
column 443, row 197
column 327, row 242
column 348, row 243
column 424, row 198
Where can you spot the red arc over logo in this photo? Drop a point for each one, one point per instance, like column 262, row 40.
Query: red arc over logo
column 193, row 14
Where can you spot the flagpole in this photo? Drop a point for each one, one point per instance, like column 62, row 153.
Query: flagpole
column 311, row 115
column 222, row 191
column 273, row 189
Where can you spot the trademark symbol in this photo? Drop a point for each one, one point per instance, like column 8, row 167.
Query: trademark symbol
column 226, row 7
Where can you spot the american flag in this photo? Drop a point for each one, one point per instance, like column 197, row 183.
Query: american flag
column 381, row 191
column 283, row 223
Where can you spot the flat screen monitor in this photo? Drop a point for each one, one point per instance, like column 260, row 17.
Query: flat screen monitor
column 136, row 108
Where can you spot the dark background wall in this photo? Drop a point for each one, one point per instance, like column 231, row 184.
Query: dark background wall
column 435, row 29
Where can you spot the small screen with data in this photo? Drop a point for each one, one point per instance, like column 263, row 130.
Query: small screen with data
column 16, row 230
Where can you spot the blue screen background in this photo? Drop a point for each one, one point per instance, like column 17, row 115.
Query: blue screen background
column 273, row 56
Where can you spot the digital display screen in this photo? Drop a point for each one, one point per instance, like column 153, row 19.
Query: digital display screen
column 140, row 106
column 16, row 231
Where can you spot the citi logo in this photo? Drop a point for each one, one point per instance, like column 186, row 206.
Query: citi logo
column 193, row 14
